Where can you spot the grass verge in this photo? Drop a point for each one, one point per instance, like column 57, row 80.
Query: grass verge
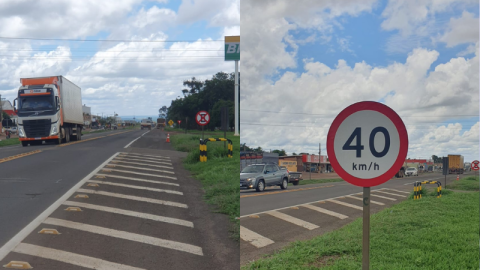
column 469, row 183
column 219, row 175
column 317, row 181
column 431, row 233
column 9, row 142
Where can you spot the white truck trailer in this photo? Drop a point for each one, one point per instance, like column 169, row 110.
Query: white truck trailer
column 49, row 109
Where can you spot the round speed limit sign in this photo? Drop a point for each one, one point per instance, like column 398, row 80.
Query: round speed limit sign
column 367, row 144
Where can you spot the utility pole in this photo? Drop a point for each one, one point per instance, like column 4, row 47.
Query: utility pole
column 319, row 156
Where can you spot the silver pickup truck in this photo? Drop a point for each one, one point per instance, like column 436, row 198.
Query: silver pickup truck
column 259, row 176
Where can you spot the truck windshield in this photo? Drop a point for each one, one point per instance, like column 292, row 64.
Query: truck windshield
column 253, row 169
column 36, row 103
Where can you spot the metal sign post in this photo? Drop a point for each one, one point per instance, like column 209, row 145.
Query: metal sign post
column 232, row 53
column 367, row 144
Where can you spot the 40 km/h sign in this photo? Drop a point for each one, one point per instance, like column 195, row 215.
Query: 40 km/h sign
column 202, row 118
column 367, row 144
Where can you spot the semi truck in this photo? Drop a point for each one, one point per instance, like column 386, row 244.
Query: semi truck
column 146, row 123
column 161, row 122
column 49, row 109
column 455, row 164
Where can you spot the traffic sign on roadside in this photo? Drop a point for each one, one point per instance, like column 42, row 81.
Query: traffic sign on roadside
column 475, row 165
column 202, row 118
column 367, row 144
column 179, row 121
column 170, row 122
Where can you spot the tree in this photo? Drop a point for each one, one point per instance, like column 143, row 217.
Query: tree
column 162, row 112
column 280, row 152
column 294, row 154
column 5, row 115
column 185, row 92
column 194, row 85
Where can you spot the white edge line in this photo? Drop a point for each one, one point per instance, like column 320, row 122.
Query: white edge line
column 14, row 241
column 126, row 146
column 304, row 204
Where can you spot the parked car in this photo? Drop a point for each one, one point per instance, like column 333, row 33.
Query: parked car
column 259, row 176
column 411, row 171
column 294, row 177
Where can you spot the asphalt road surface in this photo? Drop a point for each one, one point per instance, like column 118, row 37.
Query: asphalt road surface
column 115, row 200
column 272, row 219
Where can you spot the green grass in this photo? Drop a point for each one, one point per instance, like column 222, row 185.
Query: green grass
column 431, row 233
column 316, row 181
column 219, row 175
column 469, row 183
column 8, row 142
column 195, row 131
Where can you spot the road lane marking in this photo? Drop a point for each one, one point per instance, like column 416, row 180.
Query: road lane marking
column 283, row 191
column 131, row 197
column 75, row 142
column 136, row 187
column 325, row 211
column 14, row 241
column 131, row 213
column 146, row 174
column 125, row 153
column 361, row 199
column 293, row 220
column 398, row 190
column 19, row 156
column 383, row 197
column 146, row 158
column 254, row 238
column 149, row 161
column 126, row 146
column 139, row 168
column 70, row 258
column 393, row 194
column 137, row 179
column 143, row 164
column 144, row 239
column 345, row 204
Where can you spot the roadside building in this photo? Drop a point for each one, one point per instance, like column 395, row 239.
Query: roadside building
column 305, row 163
column 7, row 107
column 87, row 115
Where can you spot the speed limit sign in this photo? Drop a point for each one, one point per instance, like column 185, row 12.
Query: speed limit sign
column 367, row 144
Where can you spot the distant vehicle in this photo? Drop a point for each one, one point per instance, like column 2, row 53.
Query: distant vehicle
column 146, row 123
column 401, row 172
column 260, row 176
column 49, row 109
column 161, row 122
column 294, row 178
column 455, row 164
column 412, row 171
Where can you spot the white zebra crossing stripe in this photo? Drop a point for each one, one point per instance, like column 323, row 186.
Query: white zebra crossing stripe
column 135, row 154
column 393, row 194
column 293, row 220
column 383, row 197
column 126, row 235
column 325, row 211
column 137, row 173
column 131, row 213
column 145, row 158
column 136, row 187
column 346, row 204
column 254, row 238
column 143, row 164
column 145, row 161
column 361, row 199
column 137, row 179
column 134, row 198
column 398, row 190
column 139, row 168
column 70, row 258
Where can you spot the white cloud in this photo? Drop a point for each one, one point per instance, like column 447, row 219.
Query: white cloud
column 461, row 30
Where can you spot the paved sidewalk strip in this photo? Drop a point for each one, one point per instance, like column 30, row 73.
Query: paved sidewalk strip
column 345, row 204
column 70, row 258
column 143, row 164
column 145, row 161
column 130, row 197
column 145, row 174
column 136, row 187
column 137, row 179
column 130, row 213
column 254, row 238
column 137, row 168
column 361, row 199
column 126, row 235
column 383, row 197
column 393, row 194
column 293, row 220
column 325, row 211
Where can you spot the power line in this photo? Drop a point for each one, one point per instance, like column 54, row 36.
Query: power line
column 110, row 40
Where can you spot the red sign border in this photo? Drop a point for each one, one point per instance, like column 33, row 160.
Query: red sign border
column 207, row 121
column 477, row 162
column 402, row 132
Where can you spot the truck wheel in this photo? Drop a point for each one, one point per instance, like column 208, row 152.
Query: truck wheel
column 24, row 143
column 284, row 184
column 67, row 135
column 295, row 183
column 260, row 186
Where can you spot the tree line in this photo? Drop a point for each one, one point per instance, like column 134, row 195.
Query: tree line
column 209, row 95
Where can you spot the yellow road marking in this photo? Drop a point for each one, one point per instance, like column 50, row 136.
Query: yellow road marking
column 284, row 191
column 48, row 231
column 18, row 265
column 19, row 156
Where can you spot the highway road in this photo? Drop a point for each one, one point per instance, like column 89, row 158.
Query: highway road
column 272, row 219
column 115, row 200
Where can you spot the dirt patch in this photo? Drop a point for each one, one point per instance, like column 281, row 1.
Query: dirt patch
column 325, row 261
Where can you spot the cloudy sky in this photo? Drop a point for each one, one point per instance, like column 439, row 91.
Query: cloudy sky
column 128, row 56
column 305, row 61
